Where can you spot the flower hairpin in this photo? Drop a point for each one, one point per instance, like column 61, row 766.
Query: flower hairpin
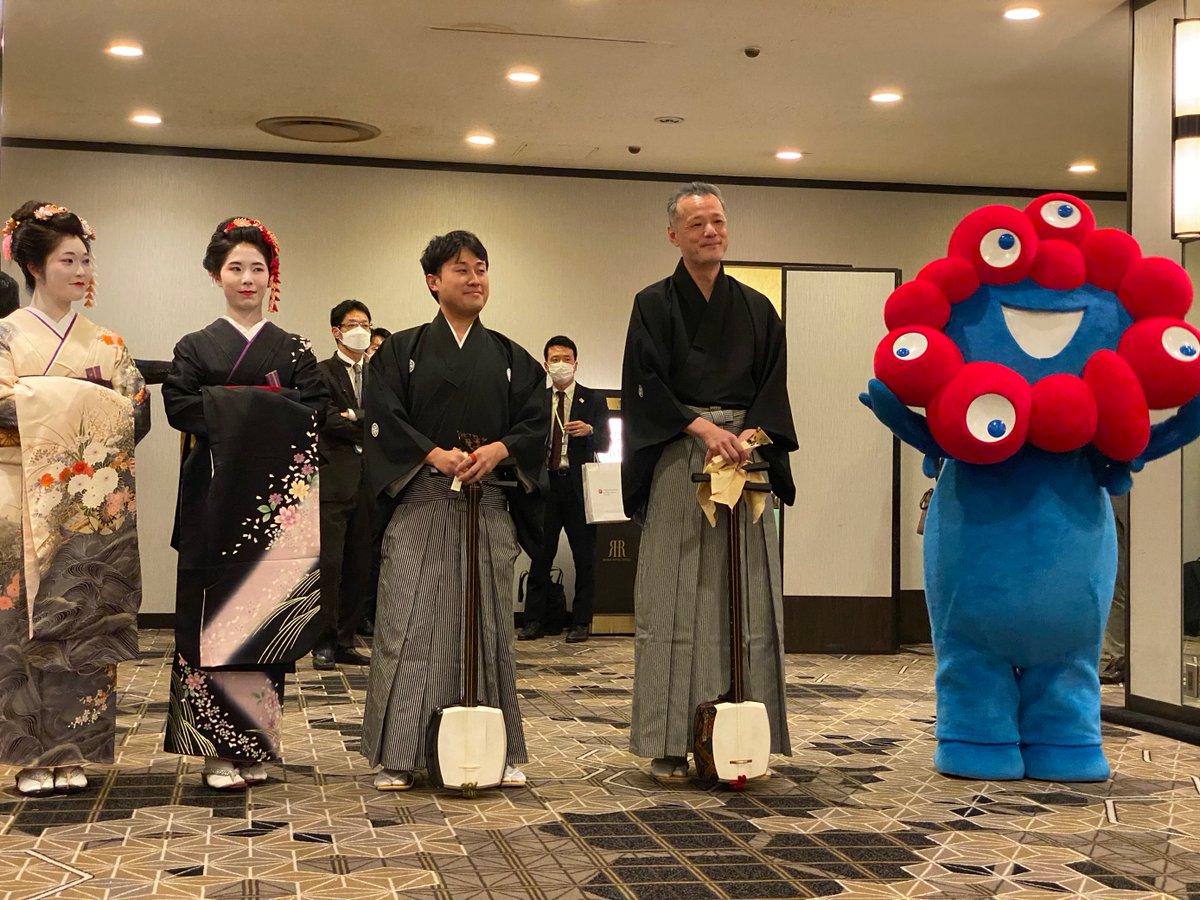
column 42, row 214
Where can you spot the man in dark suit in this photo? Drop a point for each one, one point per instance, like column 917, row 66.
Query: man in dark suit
column 345, row 505
column 578, row 431
column 380, row 518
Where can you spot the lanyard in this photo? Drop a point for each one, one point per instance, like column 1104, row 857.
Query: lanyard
column 554, row 410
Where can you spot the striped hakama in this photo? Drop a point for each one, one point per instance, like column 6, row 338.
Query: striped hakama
column 681, row 601
column 416, row 663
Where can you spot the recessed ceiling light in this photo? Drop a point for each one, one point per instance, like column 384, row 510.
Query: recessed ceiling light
column 1022, row 13
column 523, row 75
column 146, row 118
column 887, row 97
column 789, row 155
column 480, row 140
column 1082, row 168
column 126, row 49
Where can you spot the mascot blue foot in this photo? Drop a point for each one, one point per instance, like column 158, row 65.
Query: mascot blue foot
column 987, row 762
column 1047, row 762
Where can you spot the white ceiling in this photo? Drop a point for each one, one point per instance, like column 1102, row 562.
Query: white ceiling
column 987, row 101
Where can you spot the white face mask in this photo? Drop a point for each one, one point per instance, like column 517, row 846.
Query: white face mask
column 357, row 339
column 561, row 373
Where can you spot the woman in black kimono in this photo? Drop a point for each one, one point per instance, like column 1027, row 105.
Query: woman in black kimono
column 249, row 398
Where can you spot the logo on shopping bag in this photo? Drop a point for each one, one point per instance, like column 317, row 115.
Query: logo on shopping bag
column 616, row 549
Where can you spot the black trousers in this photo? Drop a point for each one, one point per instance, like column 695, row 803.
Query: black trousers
column 345, row 568
column 564, row 510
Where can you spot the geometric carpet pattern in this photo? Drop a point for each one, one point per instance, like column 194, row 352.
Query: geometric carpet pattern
column 856, row 811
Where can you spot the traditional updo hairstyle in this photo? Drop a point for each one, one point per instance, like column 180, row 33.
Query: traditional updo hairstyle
column 32, row 238
column 240, row 230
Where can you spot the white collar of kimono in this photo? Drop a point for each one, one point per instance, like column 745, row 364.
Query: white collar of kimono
column 461, row 340
column 247, row 333
column 59, row 327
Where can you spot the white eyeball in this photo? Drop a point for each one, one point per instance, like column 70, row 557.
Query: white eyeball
column 1181, row 343
column 909, row 346
column 1000, row 248
column 990, row 418
column 1061, row 214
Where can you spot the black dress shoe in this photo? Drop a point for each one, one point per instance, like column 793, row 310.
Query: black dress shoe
column 531, row 632
column 366, row 628
column 348, row 656
column 578, row 634
column 323, row 658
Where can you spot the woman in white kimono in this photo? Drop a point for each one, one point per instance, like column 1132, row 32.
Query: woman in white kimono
column 72, row 406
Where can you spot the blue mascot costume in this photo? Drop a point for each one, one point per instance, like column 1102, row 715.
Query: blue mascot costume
column 1038, row 347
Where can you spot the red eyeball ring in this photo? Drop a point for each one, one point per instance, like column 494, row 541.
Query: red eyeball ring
column 955, row 277
column 1061, row 217
column 1164, row 354
column 982, row 415
column 1059, row 266
column 999, row 241
column 916, row 303
column 1123, row 417
column 1156, row 286
column 915, row 362
column 1063, row 415
column 1108, row 254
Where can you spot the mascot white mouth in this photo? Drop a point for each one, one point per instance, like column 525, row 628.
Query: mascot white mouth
column 1042, row 333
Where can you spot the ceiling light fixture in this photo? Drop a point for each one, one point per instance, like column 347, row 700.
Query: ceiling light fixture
column 789, row 155
column 146, row 118
column 1022, row 13
column 523, row 75
column 1082, row 168
column 887, row 97
column 125, row 49
column 480, row 140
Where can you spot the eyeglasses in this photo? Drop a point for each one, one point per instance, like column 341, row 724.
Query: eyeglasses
column 345, row 326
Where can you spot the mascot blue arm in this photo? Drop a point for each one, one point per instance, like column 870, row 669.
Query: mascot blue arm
column 907, row 425
column 1172, row 434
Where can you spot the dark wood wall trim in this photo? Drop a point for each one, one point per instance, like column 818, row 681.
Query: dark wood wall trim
column 544, row 171
column 839, row 625
column 1179, row 722
column 1170, row 711
column 156, row 620
column 913, row 626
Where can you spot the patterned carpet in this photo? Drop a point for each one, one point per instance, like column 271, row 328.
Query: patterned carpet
column 857, row 811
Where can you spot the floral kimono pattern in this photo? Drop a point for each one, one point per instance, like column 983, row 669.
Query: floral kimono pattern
column 72, row 406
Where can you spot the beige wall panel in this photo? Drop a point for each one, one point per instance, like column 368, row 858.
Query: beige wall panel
column 837, row 539
column 1155, row 551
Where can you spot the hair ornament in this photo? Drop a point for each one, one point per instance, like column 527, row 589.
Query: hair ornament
column 42, row 213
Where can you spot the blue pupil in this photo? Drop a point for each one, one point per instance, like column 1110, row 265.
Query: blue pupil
column 1065, row 210
column 1187, row 350
column 997, row 428
column 1007, row 241
column 903, row 352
